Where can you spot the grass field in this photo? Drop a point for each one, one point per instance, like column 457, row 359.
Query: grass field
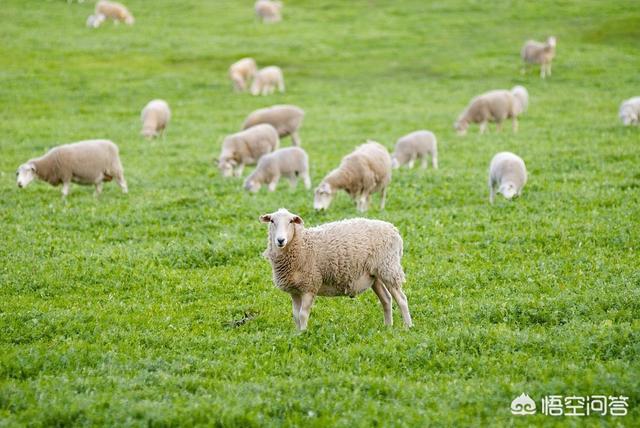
column 122, row 310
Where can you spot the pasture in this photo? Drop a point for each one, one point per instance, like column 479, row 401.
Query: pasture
column 157, row 308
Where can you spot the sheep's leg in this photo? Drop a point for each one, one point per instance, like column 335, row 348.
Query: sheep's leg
column 383, row 197
column 306, row 301
column 542, row 71
column 434, row 161
column 412, row 160
column 362, row 203
column 65, row 188
column 385, row 299
column 403, row 304
column 295, row 138
column 423, row 163
column 293, row 181
column 281, row 86
column 98, row 189
column 296, row 301
column 122, row 183
column 274, row 183
column 492, row 191
column 549, row 69
column 307, row 181
column 499, row 126
column 483, row 127
column 238, row 171
column 514, row 124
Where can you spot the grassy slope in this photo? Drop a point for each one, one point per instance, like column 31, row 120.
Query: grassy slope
column 116, row 311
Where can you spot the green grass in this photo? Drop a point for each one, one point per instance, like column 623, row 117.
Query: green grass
column 120, row 311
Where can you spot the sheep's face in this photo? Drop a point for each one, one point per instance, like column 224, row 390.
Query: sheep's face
column 251, row 185
column 461, row 127
column 226, row 166
column 552, row 41
column 322, row 197
column 26, row 174
column 129, row 20
column 508, row 190
column 282, row 226
column 148, row 133
column 394, row 162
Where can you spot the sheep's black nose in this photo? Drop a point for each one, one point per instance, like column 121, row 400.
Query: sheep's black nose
column 20, row 185
column 280, row 241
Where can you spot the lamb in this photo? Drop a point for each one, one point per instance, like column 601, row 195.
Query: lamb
column 241, row 72
column 268, row 11
column 492, row 106
column 522, row 99
column 85, row 162
column 539, row 53
column 292, row 162
column 630, row 111
column 246, row 148
column 365, row 171
column 110, row 10
column 155, row 117
column 508, row 173
column 266, row 80
column 287, row 119
column 342, row 258
column 416, row 145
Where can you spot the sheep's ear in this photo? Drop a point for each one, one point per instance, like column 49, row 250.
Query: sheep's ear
column 297, row 219
column 265, row 218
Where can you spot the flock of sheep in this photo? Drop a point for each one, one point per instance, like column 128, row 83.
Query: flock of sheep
column 341, row 258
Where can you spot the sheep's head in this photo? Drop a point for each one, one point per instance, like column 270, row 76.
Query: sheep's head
column 255, row 87
column 251, row 185
column 508, row 190
column 461, row 126
column 551, row 41
column 129, row 20
column 226, row 165
column 394, row 162
column 323, row 196
column 148, row 133
column 26, row 174
column 282, row 226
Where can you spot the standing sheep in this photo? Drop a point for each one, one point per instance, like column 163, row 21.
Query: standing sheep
column 246, row 148
column 539, row 53
column 508, row 173
column 266, row 80
column 493, row 106
column 522, row 99
column 416, row 145
column 86, row 162
column 365, row 171
column 268, row 11
column 292, row 162
column 241, row 72
column 343, row 258
column 155, row 117
column 287, row 119
column 110, row 10
column 630, row 111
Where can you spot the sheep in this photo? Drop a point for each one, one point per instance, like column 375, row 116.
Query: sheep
column 94, row 21
column 246, row 148
column 292, row 162
column 241, row 72
column 343, row 258
column 155, row 117
column 492, row 106
column 266, row 80
column 287, row 119
column 85, row 162
column 539, row 53
column 113, row 10
column 365, row 171
column 630, row 111
column 522, row 99
column 416, row 145
column 508, row 173
column 268, row 11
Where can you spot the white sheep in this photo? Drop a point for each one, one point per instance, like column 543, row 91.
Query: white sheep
column 539, row 53
column 365, row 171
column 110, row 10
column 85, row 162
column 155, row 118
column 291, row 162
column 94, row 21
column 268, row 11
column 521, row 96
column 287, row 119
column 241, row 72
column 266, row 80
column 507, row 173
column 343, row 258
column 246, row 148
column 493, row 106
column 630, row 111
column 416, row 145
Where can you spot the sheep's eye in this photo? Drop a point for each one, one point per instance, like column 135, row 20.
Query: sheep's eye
column 17, row 173
column 271, row 221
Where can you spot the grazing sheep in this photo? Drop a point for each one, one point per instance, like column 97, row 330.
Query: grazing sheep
column 522, row 99
column 416, row 145
column 630, row 111
column 241, row 72
column 111, row 10
column 86, row 162
column 287, row 119
column 493, row 106
column 266, row 80
column 292, row 162
column 342, row 258
column 539, row 53
column 508, row 173
column 246, row 148
column 155, row 117
column 268, row 11
column 365, row 171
